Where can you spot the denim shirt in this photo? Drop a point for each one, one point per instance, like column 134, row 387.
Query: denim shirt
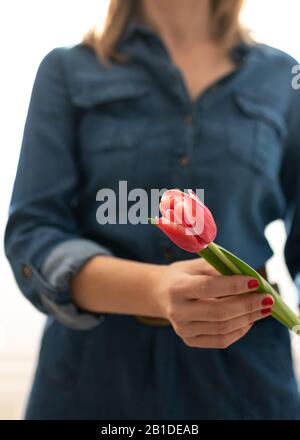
column 91, row 125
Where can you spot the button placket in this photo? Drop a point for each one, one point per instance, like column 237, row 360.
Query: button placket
column 183, row 161
column 186, row 154
column 168, row 255
column 188, row 119
column 167, row 252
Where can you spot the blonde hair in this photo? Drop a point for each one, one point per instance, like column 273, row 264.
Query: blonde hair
column 226, row 27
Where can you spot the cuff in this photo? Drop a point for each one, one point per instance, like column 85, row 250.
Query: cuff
column 64, row 261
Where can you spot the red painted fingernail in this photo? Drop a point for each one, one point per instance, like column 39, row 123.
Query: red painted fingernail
column 266, row 311
column 268, row 301
column 253, row 284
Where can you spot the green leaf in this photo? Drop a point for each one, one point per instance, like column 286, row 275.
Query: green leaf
column 280, row 310
column 242, row 265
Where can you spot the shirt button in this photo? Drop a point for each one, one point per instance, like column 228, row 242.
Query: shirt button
column 168, row 254
column 188, row 119
column 27, row 272
column 184, row 161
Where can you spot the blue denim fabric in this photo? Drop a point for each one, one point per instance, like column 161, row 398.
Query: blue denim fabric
column 91, row 125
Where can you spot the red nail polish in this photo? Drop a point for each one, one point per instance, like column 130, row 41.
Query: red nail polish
column 268, row 301
column 266, row 311
column 253, row 284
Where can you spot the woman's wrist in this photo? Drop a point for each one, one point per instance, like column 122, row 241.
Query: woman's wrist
column 155, row 292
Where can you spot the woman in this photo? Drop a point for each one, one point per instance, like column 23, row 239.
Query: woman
column 173, row 94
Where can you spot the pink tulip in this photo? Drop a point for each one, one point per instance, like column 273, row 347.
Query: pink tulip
column 186, row 220
column 190, row 225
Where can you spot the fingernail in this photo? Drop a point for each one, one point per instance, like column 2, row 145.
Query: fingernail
column 253, row 284
column 267, row 301
column 266, row 311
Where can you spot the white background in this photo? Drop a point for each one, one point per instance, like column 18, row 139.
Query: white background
column 28, row 30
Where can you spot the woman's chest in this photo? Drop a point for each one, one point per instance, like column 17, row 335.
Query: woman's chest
column 152, row 139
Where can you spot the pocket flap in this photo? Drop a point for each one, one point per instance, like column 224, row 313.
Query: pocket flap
column 105, row 90
column 263, row 109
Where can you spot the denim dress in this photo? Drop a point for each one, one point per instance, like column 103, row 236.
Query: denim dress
column 91, row 125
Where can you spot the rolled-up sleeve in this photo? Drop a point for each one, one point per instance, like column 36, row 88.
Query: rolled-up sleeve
column 42, row 239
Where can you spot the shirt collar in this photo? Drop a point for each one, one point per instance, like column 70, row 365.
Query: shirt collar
column 238, row 52
column 136, row 27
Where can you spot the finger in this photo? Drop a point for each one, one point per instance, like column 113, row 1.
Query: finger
column 197, row 328
column 217, row 341
column 224, row 309
column 236, row 306
column 221, row 286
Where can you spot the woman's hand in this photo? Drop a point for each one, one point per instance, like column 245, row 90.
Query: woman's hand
column 208, row 310
column 204, row 308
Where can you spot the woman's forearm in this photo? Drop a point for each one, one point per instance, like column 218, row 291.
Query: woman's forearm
column 114, row 285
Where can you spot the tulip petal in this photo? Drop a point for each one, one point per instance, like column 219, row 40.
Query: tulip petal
column 169, row 199
column 177, row 234
column 189, row 212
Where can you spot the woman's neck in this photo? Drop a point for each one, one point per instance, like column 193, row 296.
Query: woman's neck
column 184, row 27
column 177, row 22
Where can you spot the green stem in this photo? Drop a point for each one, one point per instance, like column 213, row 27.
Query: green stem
column 279, row 318
column 210, row 257
column 218, row 253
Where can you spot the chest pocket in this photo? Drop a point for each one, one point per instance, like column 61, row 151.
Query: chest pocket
column 110, row 115
column 256, row 136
